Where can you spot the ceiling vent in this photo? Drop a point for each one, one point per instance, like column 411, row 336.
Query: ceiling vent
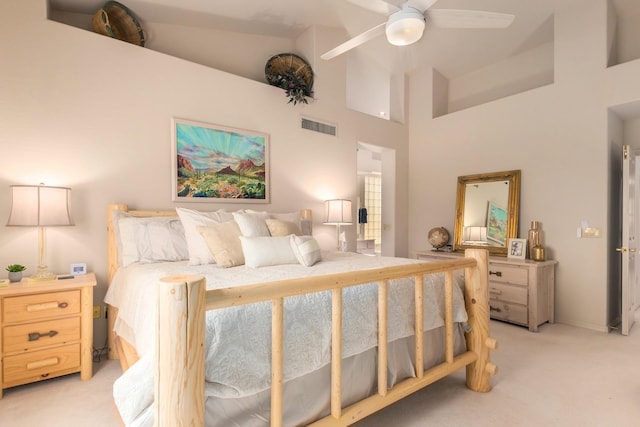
column 319, row 127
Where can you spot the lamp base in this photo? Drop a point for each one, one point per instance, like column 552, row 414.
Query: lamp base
column 42, row 275
column 41, row 278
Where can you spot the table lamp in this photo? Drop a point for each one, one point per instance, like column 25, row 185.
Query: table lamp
column 337, row 212
column 40, row 206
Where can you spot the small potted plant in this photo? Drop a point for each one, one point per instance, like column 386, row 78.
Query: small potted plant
column 15, row 272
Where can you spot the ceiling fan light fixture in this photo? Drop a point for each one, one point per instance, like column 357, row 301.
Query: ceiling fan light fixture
column 405, row 27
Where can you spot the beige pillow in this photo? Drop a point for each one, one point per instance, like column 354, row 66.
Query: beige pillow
column 282, row 228
column 199, row 253
column 223, row 241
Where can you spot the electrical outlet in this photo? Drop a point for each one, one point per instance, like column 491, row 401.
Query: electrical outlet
column 96, row 311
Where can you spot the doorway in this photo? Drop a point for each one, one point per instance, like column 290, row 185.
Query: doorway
column 376, row 200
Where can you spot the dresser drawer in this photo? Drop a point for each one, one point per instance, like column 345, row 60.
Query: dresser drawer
column 41, row 364
column 508, row 274
column 40, row 306
column 508, row 293
column 510, row 312
column 40, row 334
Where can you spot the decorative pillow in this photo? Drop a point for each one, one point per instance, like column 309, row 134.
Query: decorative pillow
column 199, row 252
column 306, row 249
column 282, row 228
column 264, row 251
column 149, row 239
column 224, row 242
column 252, row 224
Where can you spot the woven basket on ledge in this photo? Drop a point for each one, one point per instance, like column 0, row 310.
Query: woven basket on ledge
column 115, row 20
column 288, row 62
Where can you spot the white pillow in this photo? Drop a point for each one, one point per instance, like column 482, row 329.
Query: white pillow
column 252, row 224
column 224, row 242
column 306, row 250
column 149, row 239
column 167, row 241
column 199, row 252
column 264, row 251
column 282, row 228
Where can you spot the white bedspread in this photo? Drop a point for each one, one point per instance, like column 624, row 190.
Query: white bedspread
column 238, row 339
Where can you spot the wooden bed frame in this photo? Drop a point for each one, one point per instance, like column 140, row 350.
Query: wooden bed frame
column 183, row 301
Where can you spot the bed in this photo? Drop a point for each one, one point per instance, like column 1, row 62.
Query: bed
column 320, row 339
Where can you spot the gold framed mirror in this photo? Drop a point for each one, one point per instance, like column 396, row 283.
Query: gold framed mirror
column 487, row 208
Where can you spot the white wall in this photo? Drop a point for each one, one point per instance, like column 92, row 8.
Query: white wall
column 557, row 135
column 82, row 110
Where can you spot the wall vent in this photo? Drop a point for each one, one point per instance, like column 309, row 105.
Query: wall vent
column 319, row 127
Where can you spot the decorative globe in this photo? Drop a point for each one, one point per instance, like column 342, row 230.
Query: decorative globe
column 438, row 237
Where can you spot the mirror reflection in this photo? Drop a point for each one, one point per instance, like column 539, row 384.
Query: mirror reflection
column 487, row 210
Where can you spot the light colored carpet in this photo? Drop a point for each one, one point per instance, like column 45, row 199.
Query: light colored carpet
column 560, row 376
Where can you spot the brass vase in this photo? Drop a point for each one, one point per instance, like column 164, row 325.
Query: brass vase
column 538, row 253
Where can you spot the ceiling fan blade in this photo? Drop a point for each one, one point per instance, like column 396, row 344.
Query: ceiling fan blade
column 378, row 6
column 452, row 18
column 421, row 5
column 354, row 42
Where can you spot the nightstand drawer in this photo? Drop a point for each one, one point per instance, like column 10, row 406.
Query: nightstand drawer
column 508, row 274
column 40, row 306
column 510, row 312
column 40, row 365
column 36, row 335
column 508, row 293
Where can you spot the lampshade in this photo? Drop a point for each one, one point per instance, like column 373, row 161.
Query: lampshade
column 39, row 206
column 405, row 27
column 337, row 212
column 475, row 234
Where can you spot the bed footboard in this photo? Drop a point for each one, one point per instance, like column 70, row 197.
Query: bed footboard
column 179, row 384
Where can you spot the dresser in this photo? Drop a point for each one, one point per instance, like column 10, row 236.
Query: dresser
column 46, row 330
column 520, row 291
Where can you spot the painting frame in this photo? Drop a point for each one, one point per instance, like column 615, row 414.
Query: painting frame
column 218, row 164
column 517, row 248
column 496, row 223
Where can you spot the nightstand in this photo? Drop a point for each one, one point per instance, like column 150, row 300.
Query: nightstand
column 46, row 330
column 521, row 291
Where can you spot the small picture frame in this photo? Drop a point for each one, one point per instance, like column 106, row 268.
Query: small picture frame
column 517, row 248
column 77, row 269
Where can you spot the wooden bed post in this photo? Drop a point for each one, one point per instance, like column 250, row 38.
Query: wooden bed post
column 179, row 376
column 477, row 304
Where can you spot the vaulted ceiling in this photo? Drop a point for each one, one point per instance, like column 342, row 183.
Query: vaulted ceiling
column 453, row 52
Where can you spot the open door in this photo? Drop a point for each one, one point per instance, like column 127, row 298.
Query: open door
column 628, row 251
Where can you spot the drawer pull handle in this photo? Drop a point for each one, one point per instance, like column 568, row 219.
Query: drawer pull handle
column 497, row 273
column 496, row 309
column 43, row 363
column 495, row 291
column 47, row 306
column 35, row 336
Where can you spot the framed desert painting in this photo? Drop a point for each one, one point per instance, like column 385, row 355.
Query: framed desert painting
column 213, row 163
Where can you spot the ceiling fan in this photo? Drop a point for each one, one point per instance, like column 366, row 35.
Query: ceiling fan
column 406, row 22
